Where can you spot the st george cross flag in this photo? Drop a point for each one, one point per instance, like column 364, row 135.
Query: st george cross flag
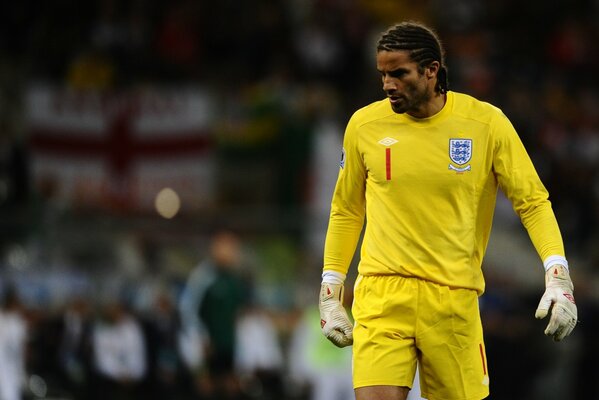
column 118, row 150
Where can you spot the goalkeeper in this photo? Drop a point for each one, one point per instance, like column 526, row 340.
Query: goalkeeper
column 423, row 167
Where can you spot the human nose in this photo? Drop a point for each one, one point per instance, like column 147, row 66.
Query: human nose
column 389, row 84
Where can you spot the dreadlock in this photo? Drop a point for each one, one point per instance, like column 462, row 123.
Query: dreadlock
column 422, row 43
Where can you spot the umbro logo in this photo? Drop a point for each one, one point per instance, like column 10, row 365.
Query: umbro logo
column 387, row 141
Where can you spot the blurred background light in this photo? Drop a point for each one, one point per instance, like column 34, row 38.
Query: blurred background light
column 167, row 203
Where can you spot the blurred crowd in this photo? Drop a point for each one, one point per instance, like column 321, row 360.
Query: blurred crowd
column 285, row 76
column 212, row 340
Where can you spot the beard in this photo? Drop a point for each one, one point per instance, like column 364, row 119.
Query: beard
column 411, row 101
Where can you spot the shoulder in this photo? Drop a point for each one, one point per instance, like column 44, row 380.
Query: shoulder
column 371, row 113
column 477, row 112
column 469, row 107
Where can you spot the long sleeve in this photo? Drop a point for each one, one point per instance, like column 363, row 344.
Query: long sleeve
column 519, row 181
column 347, row 206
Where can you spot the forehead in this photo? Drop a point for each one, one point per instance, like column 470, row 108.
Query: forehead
column 392, row 60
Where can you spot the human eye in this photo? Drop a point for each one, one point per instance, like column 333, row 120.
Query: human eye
column 398, row 73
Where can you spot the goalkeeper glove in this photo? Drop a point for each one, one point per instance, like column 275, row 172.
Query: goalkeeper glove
column 334, row 322
column 558, row 298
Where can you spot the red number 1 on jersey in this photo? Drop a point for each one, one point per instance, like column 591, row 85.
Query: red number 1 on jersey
column 388, row 162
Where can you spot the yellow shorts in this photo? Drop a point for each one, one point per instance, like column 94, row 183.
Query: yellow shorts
column 399, row 321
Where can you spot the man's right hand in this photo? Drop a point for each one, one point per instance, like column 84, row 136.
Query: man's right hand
column 334, row 322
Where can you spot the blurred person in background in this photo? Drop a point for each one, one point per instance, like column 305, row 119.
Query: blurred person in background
column 72, row 329
column 423, row 167
column 119, row 354
column 13, row 346
column 165, row 376
column 214, row 296
column 259, row 358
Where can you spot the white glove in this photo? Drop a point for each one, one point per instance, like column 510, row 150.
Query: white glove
column 334, row 322
column 558, row 298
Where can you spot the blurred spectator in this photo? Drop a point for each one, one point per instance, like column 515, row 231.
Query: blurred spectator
column 319, row 48
column 216, row 293
column 13, row 339
column 120, row 360
column 259, row 357
column 165, row 378
column 74, row 347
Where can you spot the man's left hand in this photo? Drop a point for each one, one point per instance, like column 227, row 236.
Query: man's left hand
column 559, row 298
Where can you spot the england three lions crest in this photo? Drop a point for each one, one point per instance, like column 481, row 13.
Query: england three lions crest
column 460, row 153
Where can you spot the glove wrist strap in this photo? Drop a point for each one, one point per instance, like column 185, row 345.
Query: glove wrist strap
column 553, row 260
column 333, row 277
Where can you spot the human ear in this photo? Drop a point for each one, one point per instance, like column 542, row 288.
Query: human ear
column 432, row 69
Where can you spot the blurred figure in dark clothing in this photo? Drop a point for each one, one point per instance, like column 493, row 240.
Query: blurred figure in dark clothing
column 165, row 378
column 217, row 291
column 73, row 329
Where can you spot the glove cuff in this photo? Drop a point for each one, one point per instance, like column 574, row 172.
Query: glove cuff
column 553, row 260
column 333, row 277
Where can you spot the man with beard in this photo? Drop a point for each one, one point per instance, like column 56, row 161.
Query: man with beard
column 422, row 167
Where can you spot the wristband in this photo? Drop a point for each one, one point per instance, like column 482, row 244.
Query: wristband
column 553, row 260
column 333, row 277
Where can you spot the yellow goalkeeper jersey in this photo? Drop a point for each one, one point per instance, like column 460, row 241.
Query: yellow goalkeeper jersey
column 427, row 189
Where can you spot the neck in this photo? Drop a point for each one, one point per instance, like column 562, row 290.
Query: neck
column 430, row 107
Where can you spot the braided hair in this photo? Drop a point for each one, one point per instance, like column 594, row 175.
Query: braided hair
column 422, row 43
